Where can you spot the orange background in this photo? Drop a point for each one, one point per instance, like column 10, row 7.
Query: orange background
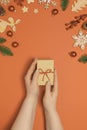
column 44, row 36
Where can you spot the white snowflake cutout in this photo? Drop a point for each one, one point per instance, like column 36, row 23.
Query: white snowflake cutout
column 44, row 1
column 47, row 3
column 30, row 1
column 4, row 1
column 53, row 3
column 80, row 40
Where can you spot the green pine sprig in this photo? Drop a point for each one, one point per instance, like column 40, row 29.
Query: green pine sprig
column 64, row 4
column 83, row 59
column 5, row 51
column 2, row 40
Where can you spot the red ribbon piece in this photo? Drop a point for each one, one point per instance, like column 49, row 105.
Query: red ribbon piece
column 45, row 73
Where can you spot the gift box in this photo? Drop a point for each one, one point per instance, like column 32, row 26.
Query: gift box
column 46, row 71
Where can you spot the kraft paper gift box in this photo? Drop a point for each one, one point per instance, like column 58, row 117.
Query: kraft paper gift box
column 46, row 71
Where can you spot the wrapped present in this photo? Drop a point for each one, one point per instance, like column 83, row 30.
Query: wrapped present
column 46, row 71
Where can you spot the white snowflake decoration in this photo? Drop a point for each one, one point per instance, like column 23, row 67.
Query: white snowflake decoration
column 53, row 3
column 44, row 1
column 4, row 1
column 80, row 40
column 47, row 3
column 30, row 1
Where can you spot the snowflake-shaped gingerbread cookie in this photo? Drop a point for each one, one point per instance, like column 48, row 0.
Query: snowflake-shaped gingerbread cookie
column 80, row 40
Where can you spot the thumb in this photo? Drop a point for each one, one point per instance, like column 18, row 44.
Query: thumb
column 48, row 88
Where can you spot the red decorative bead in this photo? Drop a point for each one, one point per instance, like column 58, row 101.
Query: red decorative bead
column 73, row 54
column 9, row 33
column 15, row 44
column 11, row 8
column 55, row 11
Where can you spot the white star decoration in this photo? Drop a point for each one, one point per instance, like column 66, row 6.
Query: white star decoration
column 25, row 9
column 80, row 40
column 30, row 1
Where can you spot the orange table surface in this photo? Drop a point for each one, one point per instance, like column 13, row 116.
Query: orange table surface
column 44, row 36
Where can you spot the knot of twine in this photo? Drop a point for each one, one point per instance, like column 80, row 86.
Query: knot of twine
column 45, row 73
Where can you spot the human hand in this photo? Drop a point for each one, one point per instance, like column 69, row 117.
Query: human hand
column 50, row 97
column 32, row 87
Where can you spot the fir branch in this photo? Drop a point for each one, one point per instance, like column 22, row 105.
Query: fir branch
column 83, row 59
column 64, row 4
column 2, row 40
column 5, row 51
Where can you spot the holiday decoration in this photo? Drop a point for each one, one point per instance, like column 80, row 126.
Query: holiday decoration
column 2, row 40
column 46, row 6
column 53, row 3
column 19, row 2
column 25, row 9
column 75, row 22
column 36, row 11
column 4, row 1
column 9, row 33
column 5, row 51
column 11, row 8
column 64, row 4
column 44, row 1
column 47, row 3
column 46, row 71
column 84, row 25
column 73, row 54
column 80, row 40
column 30, row 1
column 15, row 44
column 55, row 11
column 83, row 58
column 79, row 5
column 11, row 23
column 2, row 11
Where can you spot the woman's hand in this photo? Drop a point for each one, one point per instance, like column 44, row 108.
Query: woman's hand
column 28, row 108
column 53, row 121
column 50, row 97
column 32, row 87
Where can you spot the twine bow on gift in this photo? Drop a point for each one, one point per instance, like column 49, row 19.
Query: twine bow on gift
column 45, row 73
